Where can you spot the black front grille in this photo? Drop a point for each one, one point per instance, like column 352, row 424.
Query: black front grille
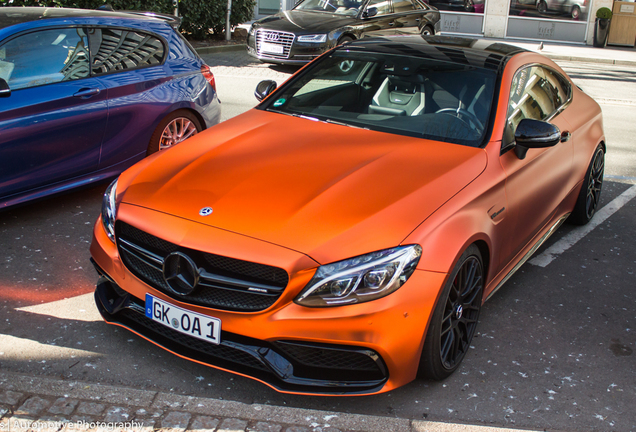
column 224, row 283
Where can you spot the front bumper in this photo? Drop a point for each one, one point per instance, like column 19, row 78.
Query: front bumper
column 352, row 349
column 298, row 53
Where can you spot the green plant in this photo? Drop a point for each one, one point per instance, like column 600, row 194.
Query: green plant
column 604, row 13
column 199, row 17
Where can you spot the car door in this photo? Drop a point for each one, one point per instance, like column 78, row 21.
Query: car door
column 130, row 64
column 53, row 122
column 537, row 184
column 408, row 16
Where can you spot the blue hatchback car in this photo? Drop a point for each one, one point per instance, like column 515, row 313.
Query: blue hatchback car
column 86, row 94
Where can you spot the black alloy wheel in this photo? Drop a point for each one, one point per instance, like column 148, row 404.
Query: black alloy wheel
column 455, row 318
column 590, row 195
column 428, row 31
column 542, row 7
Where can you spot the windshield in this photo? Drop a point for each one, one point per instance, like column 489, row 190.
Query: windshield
column 342, row 7
column 403, row 95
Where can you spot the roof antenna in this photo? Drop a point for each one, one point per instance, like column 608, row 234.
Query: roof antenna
column 541, row 46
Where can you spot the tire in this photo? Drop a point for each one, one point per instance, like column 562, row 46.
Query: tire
column 469, row 5
column 542, row 7
column 576, row 12
column 590, row 195
column 455, row 318
column 345, row 39
column 174, row 128
column 428, row 31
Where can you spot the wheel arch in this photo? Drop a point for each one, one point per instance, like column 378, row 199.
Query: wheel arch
column 443, row 246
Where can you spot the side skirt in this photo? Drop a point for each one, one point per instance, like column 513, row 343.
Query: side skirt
column 529, row 254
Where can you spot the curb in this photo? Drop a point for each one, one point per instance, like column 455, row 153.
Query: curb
column 590, row 60
column 18, row 390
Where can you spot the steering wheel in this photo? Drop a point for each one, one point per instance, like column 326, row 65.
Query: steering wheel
column 459, row 112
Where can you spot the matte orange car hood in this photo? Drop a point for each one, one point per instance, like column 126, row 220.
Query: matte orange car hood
column 325, row 190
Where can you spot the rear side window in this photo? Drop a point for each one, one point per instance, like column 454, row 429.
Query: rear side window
column 116, row 50
column 403, row 6
column 44, row 57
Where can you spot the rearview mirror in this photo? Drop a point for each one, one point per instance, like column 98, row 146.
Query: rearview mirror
column 264, row 88
column 5, row 91
column 535, row 134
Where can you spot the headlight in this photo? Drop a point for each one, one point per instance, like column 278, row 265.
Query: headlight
column 317, row 38
column 360, row 279
column 109, row 210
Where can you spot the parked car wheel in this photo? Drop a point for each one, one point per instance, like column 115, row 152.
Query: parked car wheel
column 173, row 129
column 542, row 7
column 590, row 194
column 455, row 318
column 428, row 31
column 576, row 12
column 344, row 40
column 469, row 5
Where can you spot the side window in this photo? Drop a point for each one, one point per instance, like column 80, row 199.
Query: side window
column 383, row 6
column 117, row 50
column 533, row 95
column 44, row 57
column 402, row 6
column 560, row 87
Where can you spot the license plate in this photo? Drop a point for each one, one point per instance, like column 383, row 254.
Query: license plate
column 187, row 322
column 271, row 48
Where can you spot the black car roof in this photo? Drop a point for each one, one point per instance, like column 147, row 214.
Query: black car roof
column 17, row 15
column 475, row 52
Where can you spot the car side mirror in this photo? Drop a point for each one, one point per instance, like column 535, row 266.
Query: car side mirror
column 5, row 91
column 370, row 12
column 264, row 88
column 535, row 134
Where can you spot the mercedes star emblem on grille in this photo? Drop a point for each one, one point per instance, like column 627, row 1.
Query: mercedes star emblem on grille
column 180, row 273
column 206, row 211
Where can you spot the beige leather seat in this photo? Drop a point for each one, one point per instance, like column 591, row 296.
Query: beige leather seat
column 398, row 97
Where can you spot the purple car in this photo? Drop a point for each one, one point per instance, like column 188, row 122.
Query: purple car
column 86, row 94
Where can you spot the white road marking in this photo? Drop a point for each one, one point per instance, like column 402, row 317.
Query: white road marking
column 22, row 350
column 79, row 308
column 547, row 256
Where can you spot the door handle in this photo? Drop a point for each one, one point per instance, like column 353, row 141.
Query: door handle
column 87, row 92
column 565, row 136
column 392, row 23
column 418, row 19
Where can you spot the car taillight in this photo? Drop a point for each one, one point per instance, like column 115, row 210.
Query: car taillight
column 207, row 74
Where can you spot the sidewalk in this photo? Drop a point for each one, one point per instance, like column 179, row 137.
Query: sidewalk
column 45, row 404
column 556, row 51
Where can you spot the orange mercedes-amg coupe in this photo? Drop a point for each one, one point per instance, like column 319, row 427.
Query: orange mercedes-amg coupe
column 341, row 237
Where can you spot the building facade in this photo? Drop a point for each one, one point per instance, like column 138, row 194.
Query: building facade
column 541, row 20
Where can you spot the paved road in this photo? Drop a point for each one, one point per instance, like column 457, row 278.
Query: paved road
column 554, row 348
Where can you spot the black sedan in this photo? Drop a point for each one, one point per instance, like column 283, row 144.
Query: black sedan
column 314, row 26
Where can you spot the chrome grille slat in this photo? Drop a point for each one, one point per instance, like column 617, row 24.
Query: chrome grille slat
column 284, row 39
